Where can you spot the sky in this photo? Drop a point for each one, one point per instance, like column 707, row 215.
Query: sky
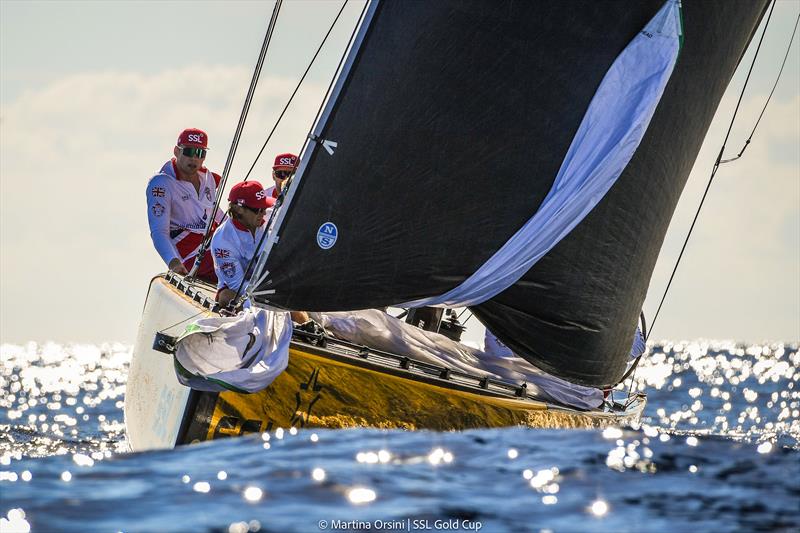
column 93, row 95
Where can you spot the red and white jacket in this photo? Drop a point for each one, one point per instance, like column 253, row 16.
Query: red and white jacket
column 177, row 213
column 233, row 246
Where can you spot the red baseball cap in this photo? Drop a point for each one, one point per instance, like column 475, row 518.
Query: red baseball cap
column 285, row 162
column 193, row 137
column 251, row 194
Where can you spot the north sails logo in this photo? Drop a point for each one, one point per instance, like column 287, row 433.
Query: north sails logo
column 327, row 235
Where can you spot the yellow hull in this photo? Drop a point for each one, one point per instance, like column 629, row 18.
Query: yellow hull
column 319, row 391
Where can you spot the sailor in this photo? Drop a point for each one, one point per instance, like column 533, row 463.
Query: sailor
column 283, row 169
column 234, row 244
column 180, row 203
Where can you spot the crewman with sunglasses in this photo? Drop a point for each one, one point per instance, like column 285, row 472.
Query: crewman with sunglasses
column 180, row 203
column 234, row 244
column 283, row 169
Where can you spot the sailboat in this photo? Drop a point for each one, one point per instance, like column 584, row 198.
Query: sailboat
column 522, row 159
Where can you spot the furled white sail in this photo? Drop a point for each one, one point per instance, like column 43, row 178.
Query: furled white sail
column 244, row 353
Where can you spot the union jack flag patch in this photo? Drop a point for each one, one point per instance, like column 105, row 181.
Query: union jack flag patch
column 222, row 254
column 158, row 192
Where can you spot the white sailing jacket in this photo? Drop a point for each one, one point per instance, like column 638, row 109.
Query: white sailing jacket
column 233, row 247
column 177, row 213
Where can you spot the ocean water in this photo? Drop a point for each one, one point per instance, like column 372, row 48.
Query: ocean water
column 717, row 450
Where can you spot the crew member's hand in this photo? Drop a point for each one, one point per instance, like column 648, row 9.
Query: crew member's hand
column 176, row 266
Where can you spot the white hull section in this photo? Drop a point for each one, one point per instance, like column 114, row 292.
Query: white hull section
column 154, row 400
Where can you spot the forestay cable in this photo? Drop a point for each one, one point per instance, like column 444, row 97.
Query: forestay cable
column 236, row 137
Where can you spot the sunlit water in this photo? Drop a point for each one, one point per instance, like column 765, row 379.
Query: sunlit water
column 718, row 450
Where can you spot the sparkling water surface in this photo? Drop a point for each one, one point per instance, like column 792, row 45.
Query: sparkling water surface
column 718, row 450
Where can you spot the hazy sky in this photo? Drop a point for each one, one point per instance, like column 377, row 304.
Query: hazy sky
column 93, row 95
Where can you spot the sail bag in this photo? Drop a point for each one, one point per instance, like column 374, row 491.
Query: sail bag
column 243, row 353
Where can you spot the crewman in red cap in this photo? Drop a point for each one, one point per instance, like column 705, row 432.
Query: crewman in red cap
column 234, row 244
column 283, row 169
column 180, row 201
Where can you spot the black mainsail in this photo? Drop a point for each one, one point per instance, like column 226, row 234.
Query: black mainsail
column 451, row 122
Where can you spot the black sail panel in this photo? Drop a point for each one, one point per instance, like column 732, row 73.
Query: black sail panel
column 574, row 313
column 451, row 126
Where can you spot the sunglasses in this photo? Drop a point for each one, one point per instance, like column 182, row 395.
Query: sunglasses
column 190, row 151
column 256, row 210
column 283, row 174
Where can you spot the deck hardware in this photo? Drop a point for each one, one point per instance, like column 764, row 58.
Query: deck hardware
column 164, row 343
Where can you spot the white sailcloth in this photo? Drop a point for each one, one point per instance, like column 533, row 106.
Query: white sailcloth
column 382, row 331
column 244, row 353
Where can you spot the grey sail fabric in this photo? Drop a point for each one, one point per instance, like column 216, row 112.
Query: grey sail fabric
column 451, row 124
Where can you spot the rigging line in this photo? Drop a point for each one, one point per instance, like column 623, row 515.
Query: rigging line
column 288, row 185
column 182, row 321
column 237, row 137
column 286, row 107
column 251, row 91
column 711, row 178
column 785, row 57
